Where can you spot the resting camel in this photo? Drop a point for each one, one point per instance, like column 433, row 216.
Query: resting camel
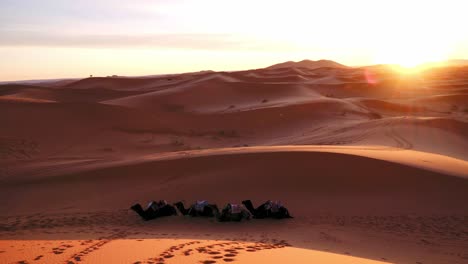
column 154, row 210
column 269, row 209
column 232, row 212
column 199, row 208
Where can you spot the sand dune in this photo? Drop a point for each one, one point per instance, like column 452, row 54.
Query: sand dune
column 372, row 164
column 232, row 95
column 314, row 173
column 67, row 95
column 116, row 83
column 308, row 64
column 316, row 176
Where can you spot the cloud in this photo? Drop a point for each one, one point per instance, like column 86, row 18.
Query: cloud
column 202, row 41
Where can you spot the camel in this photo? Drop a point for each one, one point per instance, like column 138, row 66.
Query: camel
column 154, row 210
column 199, row 208
column 232, row 212
column 269, row 209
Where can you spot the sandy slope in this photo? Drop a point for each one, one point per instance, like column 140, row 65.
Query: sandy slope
column 373, row 166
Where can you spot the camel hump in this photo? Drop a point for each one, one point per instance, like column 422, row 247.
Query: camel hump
column 200, row 205
column 236, row 208
column 157, row 205
column 274, row 206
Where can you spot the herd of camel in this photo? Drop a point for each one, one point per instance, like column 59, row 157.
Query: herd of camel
column 231, row 212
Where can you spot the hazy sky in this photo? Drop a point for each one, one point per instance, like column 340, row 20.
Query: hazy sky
column 60, row 38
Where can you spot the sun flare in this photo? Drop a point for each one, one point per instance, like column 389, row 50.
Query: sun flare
column 409, row 52
column 412, row 56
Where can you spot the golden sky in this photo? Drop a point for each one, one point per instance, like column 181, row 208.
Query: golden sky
column 58, row 39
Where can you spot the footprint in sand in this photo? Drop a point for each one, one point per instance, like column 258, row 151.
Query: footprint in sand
column 187, row 252
column 58, row 251
column 330, row 238
column 234, row 248
column 170, row 253
column 93, row 247
column 225, row 252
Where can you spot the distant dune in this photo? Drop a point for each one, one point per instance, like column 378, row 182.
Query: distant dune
column 372, row 164
column 309, row 64
column 458, row 62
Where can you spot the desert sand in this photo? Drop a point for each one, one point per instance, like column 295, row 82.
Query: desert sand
column 372, row 164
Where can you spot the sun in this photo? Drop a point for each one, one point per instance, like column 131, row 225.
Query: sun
column 411, row 54
column 409, row 43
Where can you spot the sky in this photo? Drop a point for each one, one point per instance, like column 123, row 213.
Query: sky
column 61, row 39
